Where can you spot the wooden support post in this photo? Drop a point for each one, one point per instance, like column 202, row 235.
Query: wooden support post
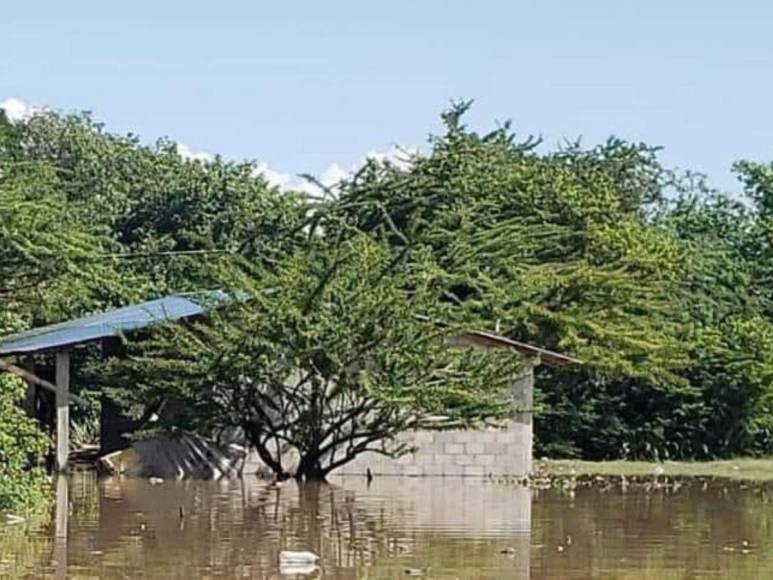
column 523, row 393
column 523, row 403
column 62, row 409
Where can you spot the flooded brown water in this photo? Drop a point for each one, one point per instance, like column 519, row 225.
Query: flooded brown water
column 439, row 528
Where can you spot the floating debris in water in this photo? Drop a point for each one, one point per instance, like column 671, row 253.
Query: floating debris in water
column 745, row 548
column 155, row 480
column 290, row 569
column 298, row 557
column 298, row 562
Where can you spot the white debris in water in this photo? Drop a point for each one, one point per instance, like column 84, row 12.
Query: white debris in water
column 297, row 557
column 297, row 569
column 300, row 563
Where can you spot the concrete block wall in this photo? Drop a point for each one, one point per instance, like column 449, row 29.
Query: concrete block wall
column 454, row 453
column 472, row 453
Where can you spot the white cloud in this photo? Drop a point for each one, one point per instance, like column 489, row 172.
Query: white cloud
column 333, row 174
column 187, row 153
column 398, row 155
column 17, row 110
column 276, row 178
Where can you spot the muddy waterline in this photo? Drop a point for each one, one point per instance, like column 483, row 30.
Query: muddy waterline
column 394, row 528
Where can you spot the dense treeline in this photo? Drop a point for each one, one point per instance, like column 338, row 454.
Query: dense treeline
column 655, row 281
column 660, row 284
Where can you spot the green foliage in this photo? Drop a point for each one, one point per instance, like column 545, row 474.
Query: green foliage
column 157, row 205
column 659, row 284
column 46, row 252
column 324, row 357
column 553, row 246
column 92, row 220
column 23, row 485
column 646, row 276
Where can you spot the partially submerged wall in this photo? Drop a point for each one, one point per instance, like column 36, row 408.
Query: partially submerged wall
column 455, row 453
column 505, row 451
column 466, row 453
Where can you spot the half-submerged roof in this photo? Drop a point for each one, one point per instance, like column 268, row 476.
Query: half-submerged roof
column 110, row 324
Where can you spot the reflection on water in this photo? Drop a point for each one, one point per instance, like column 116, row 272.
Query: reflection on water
column 441, row 528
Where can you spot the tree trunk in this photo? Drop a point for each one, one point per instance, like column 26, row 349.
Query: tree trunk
column 273, row 463
column 310, row 469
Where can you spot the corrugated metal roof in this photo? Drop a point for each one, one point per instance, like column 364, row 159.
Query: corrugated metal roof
column 110, row 324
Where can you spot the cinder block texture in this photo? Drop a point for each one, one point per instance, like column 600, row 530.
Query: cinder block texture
column 474, row 453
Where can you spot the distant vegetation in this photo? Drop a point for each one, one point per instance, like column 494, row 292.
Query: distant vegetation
column 661, row 285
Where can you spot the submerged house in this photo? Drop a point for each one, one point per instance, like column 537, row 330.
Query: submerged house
column 506, row 449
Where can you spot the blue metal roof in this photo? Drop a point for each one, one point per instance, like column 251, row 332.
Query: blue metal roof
column 110, row 324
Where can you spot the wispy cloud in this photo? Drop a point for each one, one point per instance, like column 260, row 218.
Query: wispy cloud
column 283, row 181
column 401, row 156
column 335, row 173
column 187, row 153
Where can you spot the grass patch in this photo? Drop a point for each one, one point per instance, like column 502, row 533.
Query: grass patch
column 740, row 469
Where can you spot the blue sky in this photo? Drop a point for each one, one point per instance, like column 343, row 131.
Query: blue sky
column 303, row 85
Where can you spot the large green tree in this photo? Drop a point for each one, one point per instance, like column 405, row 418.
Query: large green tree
column 92, row 220
column 321, row 359
column 552, row 246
